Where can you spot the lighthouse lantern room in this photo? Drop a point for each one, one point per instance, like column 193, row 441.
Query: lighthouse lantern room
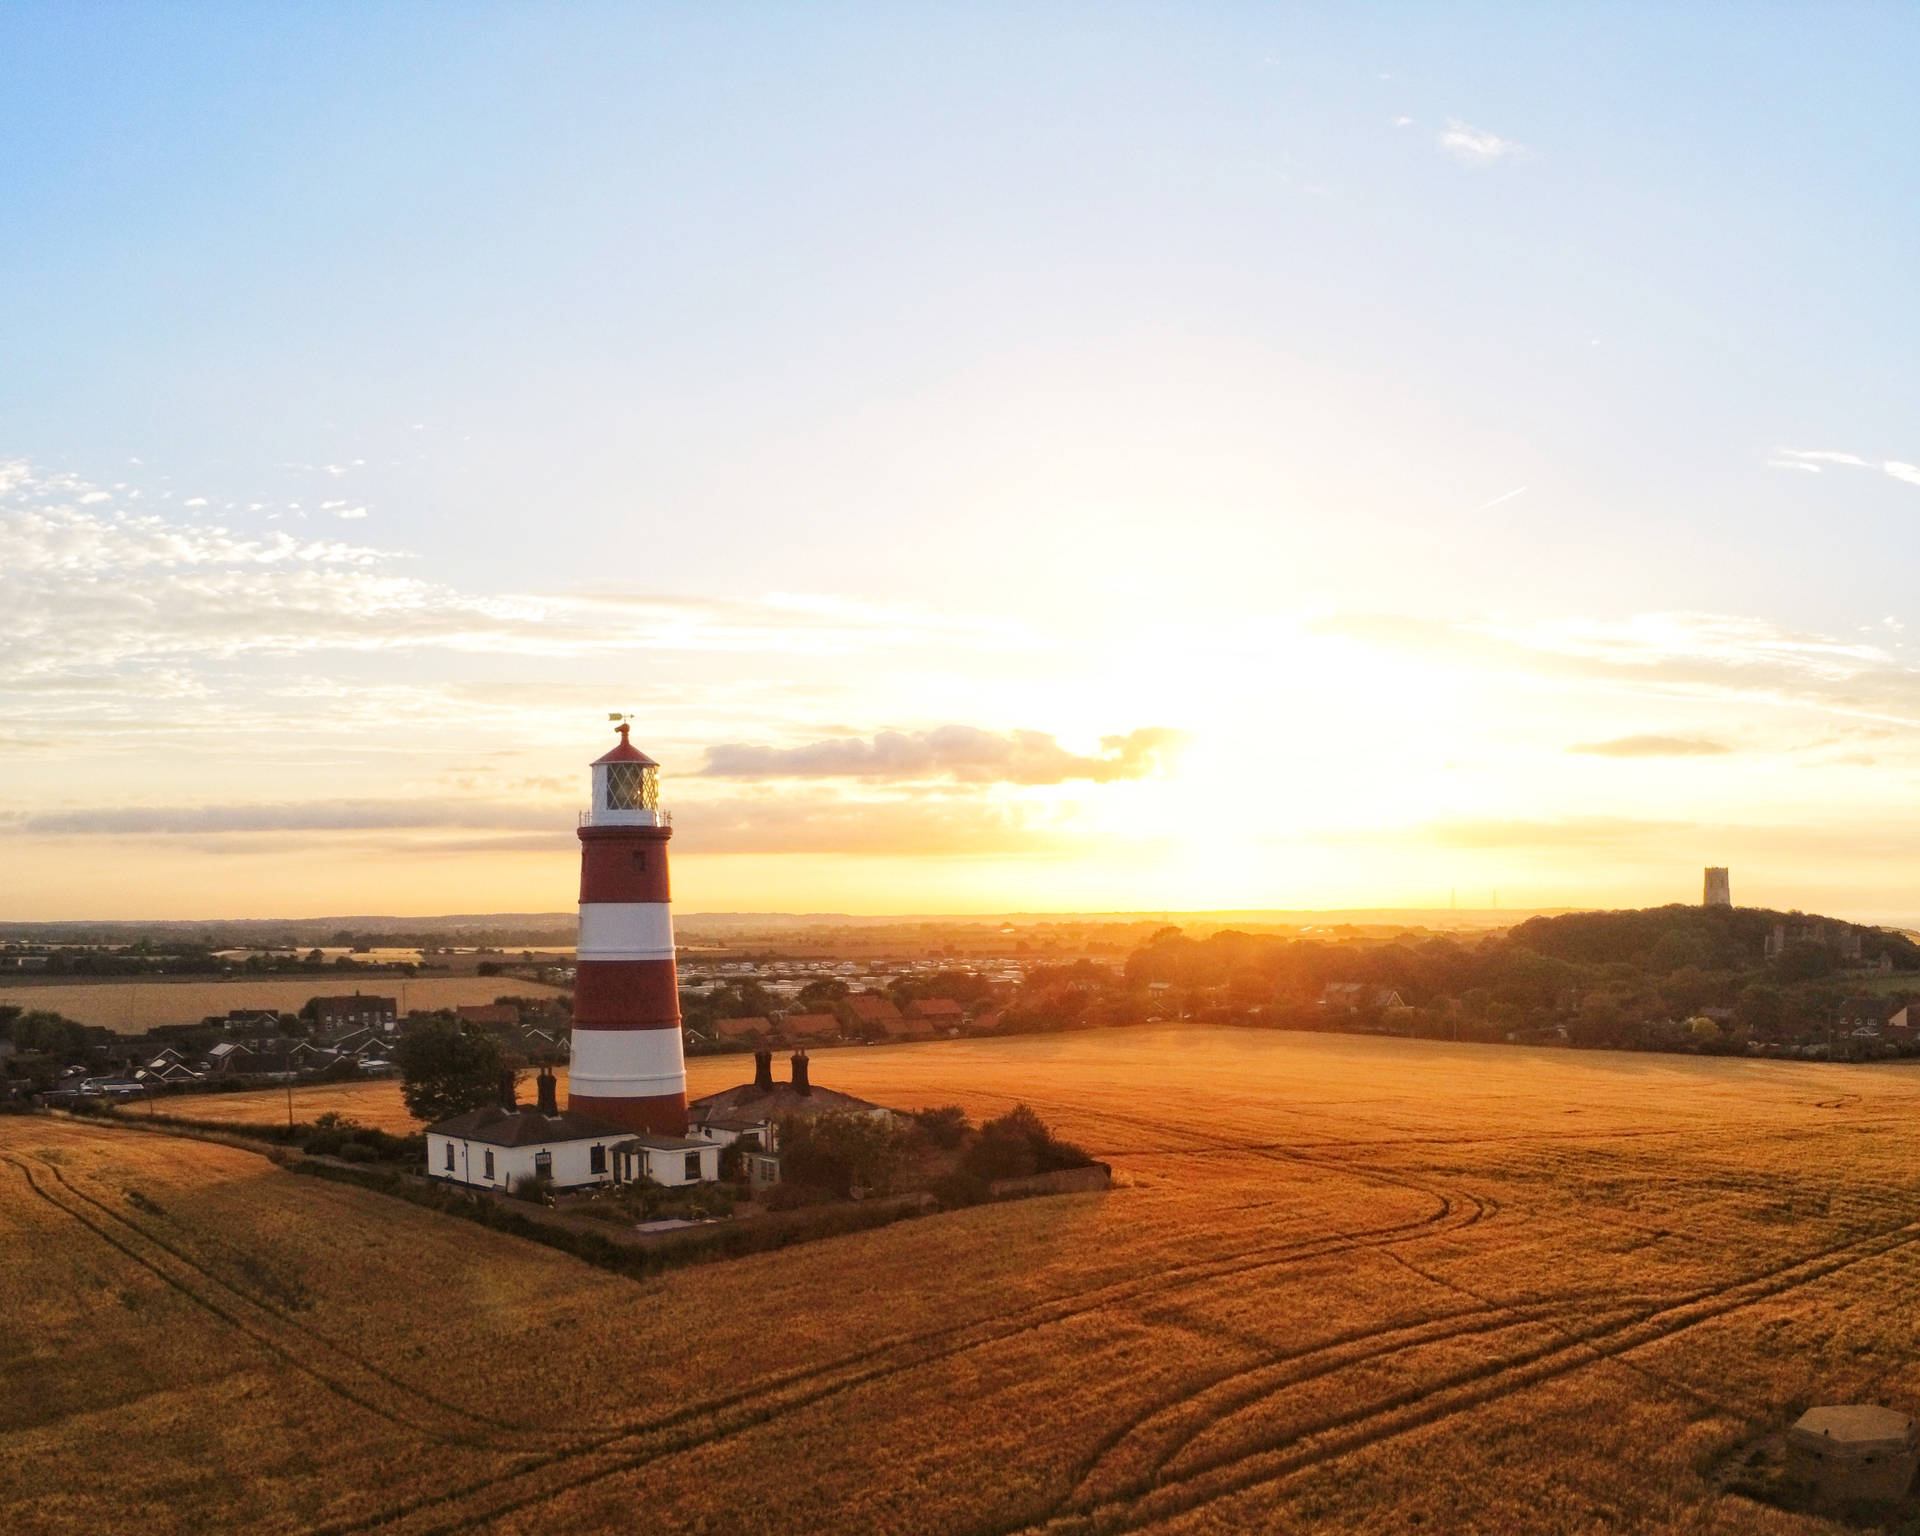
column 627, row 1061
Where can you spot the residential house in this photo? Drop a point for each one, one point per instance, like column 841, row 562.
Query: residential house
column 489, row 1015
column 355, row 1012
column 943, row 1013
column 740, row 1031
column 756, row 1109
column 230, row 1056
column 810, row 1026
column 868, row 1014
column 504, row 1145
column 1353, row 996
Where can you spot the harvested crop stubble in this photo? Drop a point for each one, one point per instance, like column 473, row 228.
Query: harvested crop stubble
column 1346, row 1282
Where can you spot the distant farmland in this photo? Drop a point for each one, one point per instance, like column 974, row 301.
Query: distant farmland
column 1345, row 1285
column 132, row 1006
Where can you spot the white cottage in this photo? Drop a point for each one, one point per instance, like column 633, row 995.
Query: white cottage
column 499, row 1148
column 665, row 1160
column 753, row 1111
column 502, row 1145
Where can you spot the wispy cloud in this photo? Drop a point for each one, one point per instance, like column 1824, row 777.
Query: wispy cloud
column 1478, row 146
column 893, row 826
column 1651, row 746
column 1485, row 506
column 88, row 589
column 962, row 753
column 305, row 816
column 1812, row 461
column 1695, row 657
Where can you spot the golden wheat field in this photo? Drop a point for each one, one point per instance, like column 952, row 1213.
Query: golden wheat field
column 1344, row 1285
column 140, row 1005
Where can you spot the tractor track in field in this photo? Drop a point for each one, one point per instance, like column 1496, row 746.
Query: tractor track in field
column 244, row 1314
column 627, row 1447
column 1158, row 1430
column 1229, row 1472
column 769, row 1398
column 635, row 1445
column 397, row 1384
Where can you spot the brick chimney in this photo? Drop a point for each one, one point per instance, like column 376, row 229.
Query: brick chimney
column 548, row 1085
column 800, row 1083
column 509, row 1095
column 763, row 1070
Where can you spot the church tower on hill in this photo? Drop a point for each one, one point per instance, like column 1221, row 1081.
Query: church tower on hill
column 627, row 1061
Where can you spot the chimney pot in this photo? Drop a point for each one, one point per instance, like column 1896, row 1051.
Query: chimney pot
column 548, row 1087
column 509, row 1094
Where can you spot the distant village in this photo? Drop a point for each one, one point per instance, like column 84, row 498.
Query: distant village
column 1710, row 978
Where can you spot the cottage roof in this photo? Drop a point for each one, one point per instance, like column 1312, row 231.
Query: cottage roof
column 661, row 1143
column 733, row 1029
column 757, row 1105
column 869, row 1008
column 811, row 1025
column 499, row 1127
column 487, row 1013
column 935, row 1008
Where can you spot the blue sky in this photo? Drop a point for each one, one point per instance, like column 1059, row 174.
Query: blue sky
column 802, row 374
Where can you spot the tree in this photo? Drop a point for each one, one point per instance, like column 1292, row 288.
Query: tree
column 1017, row 1144
column 1760, row 1008
column 839, row 1152
column 446, row 1071
column 820, row 996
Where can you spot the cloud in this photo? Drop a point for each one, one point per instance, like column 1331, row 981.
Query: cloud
column 87, row 591
column 919, row 827
column 1812, row 461
column 1720, row 658
column 914, row 825
column 1651, row 746
column 1476, row 146
column 303, row 816
column 959, row 752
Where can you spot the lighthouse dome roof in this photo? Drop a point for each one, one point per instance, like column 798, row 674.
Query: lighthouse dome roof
column 626, row 752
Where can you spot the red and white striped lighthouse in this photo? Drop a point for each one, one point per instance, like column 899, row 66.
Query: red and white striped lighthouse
column 627, row 1063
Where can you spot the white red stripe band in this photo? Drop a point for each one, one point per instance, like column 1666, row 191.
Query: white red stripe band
column 625, row 930
column 626, row 1063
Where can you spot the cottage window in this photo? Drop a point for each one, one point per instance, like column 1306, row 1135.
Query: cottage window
column 543, row 1165
column 693, row 1166
column 489, row 1163
column 597, row 1160
column 449, row 1157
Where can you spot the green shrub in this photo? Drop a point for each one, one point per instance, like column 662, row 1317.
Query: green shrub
column 945, row 1128
column 1017, row 1145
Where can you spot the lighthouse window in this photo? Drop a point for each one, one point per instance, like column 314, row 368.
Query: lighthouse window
column 640, row 858
column 632, row 787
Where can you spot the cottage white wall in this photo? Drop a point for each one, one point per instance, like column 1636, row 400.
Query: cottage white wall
column 671, row 1167
column 572, row 1162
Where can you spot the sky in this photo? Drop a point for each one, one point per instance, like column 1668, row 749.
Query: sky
column 1005, row 458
